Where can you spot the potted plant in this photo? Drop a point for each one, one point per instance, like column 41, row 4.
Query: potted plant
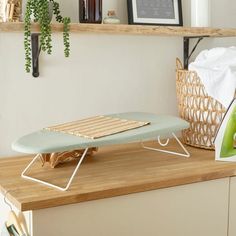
column 41, row 11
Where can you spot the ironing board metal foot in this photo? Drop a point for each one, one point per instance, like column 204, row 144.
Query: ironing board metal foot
column 185, row 154
column 23, row 175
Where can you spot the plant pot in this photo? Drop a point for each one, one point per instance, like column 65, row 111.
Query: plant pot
column 50, row 10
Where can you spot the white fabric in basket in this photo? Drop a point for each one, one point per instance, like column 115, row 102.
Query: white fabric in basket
column 217, row 71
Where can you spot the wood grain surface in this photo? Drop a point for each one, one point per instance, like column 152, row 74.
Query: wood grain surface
column 113, row 171
column 127, row 29
column 97, row 126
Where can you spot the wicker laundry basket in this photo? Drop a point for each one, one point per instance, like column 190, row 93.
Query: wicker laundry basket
column 202, row 112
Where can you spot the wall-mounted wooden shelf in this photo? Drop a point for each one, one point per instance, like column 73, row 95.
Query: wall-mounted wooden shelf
column 127, row 29
column 186, row 32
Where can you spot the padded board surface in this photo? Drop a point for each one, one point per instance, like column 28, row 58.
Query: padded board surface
column 44, row 141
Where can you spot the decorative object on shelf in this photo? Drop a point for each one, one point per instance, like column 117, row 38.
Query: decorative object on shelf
column 39, row 11
column 3, row 4
column 200, row 13
column 90, row 11
column 225, row 142
column 155, row 12
column 203, row 113
column 111, row 18
column 15, row 224
column 10, row 10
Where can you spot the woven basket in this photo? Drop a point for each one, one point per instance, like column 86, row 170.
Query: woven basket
column 203, row 113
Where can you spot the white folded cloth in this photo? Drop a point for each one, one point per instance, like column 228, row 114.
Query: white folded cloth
column 217, row 71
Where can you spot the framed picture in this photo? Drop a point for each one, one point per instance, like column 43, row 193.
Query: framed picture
column 155, row 12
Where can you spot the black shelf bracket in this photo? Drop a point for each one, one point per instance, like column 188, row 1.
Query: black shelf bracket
column 188, row 55
column 36, row 49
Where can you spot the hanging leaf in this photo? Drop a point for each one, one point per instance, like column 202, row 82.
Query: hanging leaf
column 39, row 11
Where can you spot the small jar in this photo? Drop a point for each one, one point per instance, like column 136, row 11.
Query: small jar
column 111, row 18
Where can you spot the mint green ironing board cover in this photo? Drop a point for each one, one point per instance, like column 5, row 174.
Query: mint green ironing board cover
column 44, row 141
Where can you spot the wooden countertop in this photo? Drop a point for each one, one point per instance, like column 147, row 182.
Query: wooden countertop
column 113, row 171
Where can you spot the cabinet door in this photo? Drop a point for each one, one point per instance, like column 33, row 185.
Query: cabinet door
column 232, row 207
column 189, row 210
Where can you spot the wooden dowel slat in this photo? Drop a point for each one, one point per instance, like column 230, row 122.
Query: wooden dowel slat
column 97, row 127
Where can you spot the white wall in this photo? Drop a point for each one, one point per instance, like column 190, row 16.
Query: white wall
column 105, row 74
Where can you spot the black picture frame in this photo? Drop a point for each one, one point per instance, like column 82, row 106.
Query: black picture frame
column 132, row 12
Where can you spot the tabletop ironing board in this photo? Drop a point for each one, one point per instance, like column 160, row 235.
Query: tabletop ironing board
column 45, row 141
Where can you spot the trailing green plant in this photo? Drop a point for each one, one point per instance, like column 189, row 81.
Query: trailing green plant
column 39, row 11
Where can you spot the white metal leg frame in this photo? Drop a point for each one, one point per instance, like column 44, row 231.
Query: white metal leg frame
column 185, row 154
column 23, row 175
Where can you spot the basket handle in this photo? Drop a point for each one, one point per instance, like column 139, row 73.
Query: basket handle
column 179, row 65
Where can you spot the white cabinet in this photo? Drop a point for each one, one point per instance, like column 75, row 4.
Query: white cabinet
column 199, row 209
column 232, row 207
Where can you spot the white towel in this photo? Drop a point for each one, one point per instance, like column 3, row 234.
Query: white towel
column 217, row 71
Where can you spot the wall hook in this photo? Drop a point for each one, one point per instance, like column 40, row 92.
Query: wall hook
column 36, row 49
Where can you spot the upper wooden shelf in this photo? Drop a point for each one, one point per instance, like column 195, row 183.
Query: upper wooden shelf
column 127, row 29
